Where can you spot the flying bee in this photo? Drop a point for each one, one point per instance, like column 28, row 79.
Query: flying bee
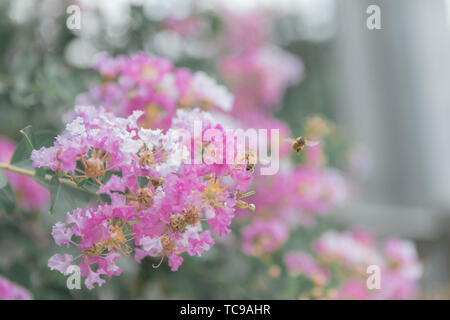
column 298, row 144
column 250, row 157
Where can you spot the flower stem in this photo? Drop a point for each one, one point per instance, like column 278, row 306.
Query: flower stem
column 32, row 174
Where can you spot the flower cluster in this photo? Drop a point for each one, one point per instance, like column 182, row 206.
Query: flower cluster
column 257, row 70
column 293, row 198
column 259, row 73
column 160, row 199
column 29, row 194
column 12, row 291
column 299, row 263
column 260, row 76
column 153, row 85
column 347, row 255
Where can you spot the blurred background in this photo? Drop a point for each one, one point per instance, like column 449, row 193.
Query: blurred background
column 387, row 91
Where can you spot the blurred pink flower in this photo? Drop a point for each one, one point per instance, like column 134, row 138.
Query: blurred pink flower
column 401, row 255
column 184, row 26
column 260, row 76
column 353, row 289
column 355, row 250
column 11, row 291
column 264, row 236
column 395, row 286
column 302, row 263
column 244, row 30
column 318, row 191
column 30, row 195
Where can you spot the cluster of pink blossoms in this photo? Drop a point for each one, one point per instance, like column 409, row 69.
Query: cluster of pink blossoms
column 29, row 194
column 259, row 74
column 352, row 252
column 290, row 199
column 161, row 200
column 153, row 85
column 12, row 291
column 258, row 71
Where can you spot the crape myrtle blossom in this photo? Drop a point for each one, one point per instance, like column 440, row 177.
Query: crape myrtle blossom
column 264, row 236
column 299, row 263
column 244, row 30
column 291, row 198
column 259, row 77
column 256, row 70
column 185, row 27
column 353, row 251
column 12, row 291
column 159, row 203
column 318, row 190
column 152, row 84
column 30, row 194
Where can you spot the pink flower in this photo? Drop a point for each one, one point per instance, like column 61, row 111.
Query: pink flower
column 260, row 76
column 347, row 249
column 185, row 26
column 12, row 291
column 245, row 30
column 317, row 190
column 61, row 234
column 30, row 194
column 302, row 263
column 402, row 256
column 151, row 84
column 60, row 263
column 263, row 236
column 353, row 290
column 94, row 277
column 175, row 261
column 396, row 286
column 159, row 204
column 355, row 250
column 198, row 245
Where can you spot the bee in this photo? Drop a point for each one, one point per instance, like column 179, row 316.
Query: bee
column 298, row 144
column 250, row 158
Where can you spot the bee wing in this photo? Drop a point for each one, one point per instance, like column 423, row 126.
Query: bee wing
column 312, row 143
column 290, row 140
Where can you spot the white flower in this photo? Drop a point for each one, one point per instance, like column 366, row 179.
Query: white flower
column 187, row 119
column 207, row 88
column 76, row 127
column 168, row 86
column 151, row 245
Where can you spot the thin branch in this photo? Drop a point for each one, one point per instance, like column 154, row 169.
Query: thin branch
column 32, row 174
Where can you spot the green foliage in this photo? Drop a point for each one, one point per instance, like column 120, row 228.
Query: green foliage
column 38, row 86
column 65, row 199
column 7, row 197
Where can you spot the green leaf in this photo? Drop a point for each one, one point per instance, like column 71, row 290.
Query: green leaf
column 21, row 156
column 7, row 196
column 30, row 142
column 65, row 199
column 142, row 182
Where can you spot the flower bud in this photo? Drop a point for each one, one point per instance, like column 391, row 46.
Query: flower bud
column 177, row 223
column 144, row 197
column 192, row 215
column 168, row 243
